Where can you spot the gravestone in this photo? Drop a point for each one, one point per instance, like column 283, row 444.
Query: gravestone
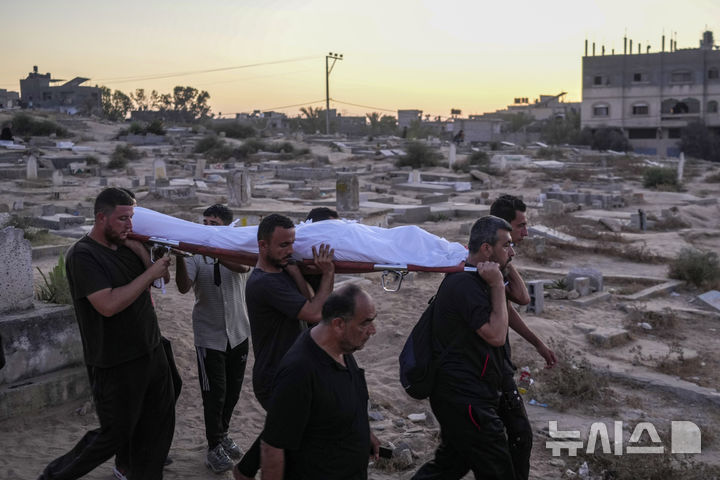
column 31, row 169
column 536, row 290
column 200, row 168
column 681, row 167
column 16, row 274
column 159, row 169
column 57, row 178
column 414, row 176
column 239, row 188
column 453, row 155
column 596, row 277
column 553, row 207
column 347, row 193
column 582, row 286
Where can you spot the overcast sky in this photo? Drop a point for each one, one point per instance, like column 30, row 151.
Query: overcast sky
column 430, row 55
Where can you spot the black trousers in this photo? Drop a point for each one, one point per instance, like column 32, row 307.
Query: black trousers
column 135, row 404
column 221, row 376
column 122, row 458
column 517, row 426
column 250, row 462
column 472, row 438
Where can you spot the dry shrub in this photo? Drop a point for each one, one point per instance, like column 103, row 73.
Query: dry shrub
column 698, row 267
column 572, row 381
column 663, row 322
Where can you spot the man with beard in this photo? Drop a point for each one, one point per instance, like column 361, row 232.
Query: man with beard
column 512, row 410
column 470, row 325
column 317, row 424
column 129, row 373
column 280, row 305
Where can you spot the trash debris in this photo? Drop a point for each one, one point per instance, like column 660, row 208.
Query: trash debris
column 525, row 381
column 536, row 403
column 584, row 470
column 417, row 417
column 645, row 325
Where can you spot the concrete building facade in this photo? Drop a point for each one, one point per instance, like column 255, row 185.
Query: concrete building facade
column 650, row 97
column 36, row 91
column 9, row 99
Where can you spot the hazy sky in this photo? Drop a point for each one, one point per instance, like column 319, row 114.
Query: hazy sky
column 473, row 55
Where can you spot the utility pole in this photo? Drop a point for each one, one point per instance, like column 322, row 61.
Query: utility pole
column 328, row 68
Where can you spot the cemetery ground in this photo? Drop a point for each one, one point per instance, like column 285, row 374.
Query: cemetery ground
column 644, row 349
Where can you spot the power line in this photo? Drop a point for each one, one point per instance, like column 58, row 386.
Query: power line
column 363, row 106
column 195, row 72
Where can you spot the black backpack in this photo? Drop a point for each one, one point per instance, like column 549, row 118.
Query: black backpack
column 417, row 369
column 417, row 366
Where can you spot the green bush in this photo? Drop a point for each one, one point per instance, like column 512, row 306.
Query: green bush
column 207, row 143
column 234, row 129
column 479, row 160
column 55, row 288
column 700, row 268
column 418, row 155
column 121, row 156
column 25, row 125
column 657, row 176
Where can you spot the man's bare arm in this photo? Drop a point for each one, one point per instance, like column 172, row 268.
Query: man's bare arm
column 182, row 279
column 272, row 462
column 516, row 291
column 518, row 324
column 494, row 331
column 311, row 312
column 305, row 289
column 236, row 267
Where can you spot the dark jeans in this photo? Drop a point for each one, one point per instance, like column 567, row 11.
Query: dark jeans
column 517, row 426
column 135, row 405
column 472, row 437
column 221, row 378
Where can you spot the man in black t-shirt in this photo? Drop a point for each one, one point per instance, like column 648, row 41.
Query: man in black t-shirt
column 129, row 372
column 317, row 424
column 280, row 305
column 470, row 325
column 512, row 409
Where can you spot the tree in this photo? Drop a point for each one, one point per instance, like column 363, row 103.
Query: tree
column 558, row 131
column 698, row 141
column 312, row 121
column 605, row 138
column 142, row 102
column 115, row 105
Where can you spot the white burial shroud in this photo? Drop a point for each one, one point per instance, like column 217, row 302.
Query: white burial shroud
column 352, row 241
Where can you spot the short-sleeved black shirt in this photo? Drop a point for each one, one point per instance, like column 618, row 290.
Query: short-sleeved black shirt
column 127, row 335
column 318, row 415
column 273, row 303
column 471, row 369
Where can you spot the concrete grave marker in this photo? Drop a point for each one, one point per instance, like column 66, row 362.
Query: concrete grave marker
column 711, row 298
column 681, row 167
column 32, row 168
column 452, row 155
column 347, row 193
column 239, row 188
column 595, row 276
column 57, row 178
column 200, row 168
column 159, row 169
column 16, row 274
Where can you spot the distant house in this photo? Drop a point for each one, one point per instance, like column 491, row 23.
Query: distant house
column 545, row 107
column 406, row 117
column 478, row 129
column 36, row 91
column 651, row 97
column 9, row 99
column 351, row 125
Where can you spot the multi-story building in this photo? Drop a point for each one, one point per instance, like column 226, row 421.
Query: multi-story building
column 9, row 99
column 650, row 97
column 70, row 97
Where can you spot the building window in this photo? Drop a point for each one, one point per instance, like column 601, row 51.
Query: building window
column 640, row 109
column 640, row 77
column 602, row 110
column 642, row 133
column 680, row 107
column 681, row 76
column 713, row 73
column 600, row 80
column 712, row 106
